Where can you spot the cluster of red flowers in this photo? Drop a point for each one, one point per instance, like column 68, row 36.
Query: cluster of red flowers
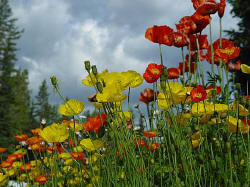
column 140, row 143
column 94, row 123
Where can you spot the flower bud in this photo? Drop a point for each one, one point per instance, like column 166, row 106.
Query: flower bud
column 94, row 69
column 53, row 80
column 99, row 87
column 87, row 65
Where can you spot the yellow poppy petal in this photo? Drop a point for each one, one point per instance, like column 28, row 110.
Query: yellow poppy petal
column 245, row 68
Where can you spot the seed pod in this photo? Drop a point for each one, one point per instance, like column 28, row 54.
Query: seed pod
column 87, row 65
column 53, row 80
column 94, row 69
column 99, row 87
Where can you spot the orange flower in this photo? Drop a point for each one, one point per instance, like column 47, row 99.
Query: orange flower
column 94, row 123
column 200, row 21
column 228, row 53
column 207, row 7
column 77, row 156
column 247, row 98
column 218, row 88
column 6, row 164
column 21, row 137
column 160, row 35
column 149, row 134
column 197, row 3
column 12, row 157
column 34, row 140
column 180, row 40
column 25, row 167
column 153, row 72
column 202, row 39
column 41, row 179
column 186, row 26
column 233, row 67
column 139, row 143
column 37, row 147
column 173, row 73
column 2, row 150
column 198, row 94
column 35, row 131
column 221, row 8
column 153, row 147
column 147, row 96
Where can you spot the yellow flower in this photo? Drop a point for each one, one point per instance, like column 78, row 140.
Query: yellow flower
column 71, row 107
column 22, row 177
column 78, row 149
column 232, row 125
column 55, row 133
column 91, row 79
column 75, row 126
column 3, row 180
column 245, row 68
column 242, row 110
column 65, row 156
column 90, row 145
column 132, row 78
column 199, row 109
column 68, row 162
column 163, row 101
column 214, row 121
column 196, row 139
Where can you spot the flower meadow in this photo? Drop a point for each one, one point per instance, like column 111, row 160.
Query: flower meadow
column 194, row 132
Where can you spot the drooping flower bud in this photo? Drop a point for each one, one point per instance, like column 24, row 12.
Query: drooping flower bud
column 87, row 65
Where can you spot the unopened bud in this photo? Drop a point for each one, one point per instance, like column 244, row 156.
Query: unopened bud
column 53, row 80
column 99, row 87
column 94, row 69
column 87, row 65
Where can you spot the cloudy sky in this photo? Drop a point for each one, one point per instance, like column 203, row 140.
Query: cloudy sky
column 60, row 34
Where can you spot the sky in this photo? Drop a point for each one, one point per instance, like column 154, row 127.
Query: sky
column 59, row 35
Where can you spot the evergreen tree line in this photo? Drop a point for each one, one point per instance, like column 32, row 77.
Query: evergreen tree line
column 18, row 111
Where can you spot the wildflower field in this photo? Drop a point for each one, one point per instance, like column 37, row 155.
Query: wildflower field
column 194, row 132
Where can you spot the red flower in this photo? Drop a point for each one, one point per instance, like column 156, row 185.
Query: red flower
column 13, row 157
column 186, row 25
column 153, row 72
column 149, row 134
column 197, row 3
column 25, row 167
column 2, row 150
column 202, row 40
column 77, row 156
column 233, row 67
column 247, row 98
column 37, row 147
column 218, row 88
column 198, row 94
column 160, row 34
column 21, row 137
column 41, row 179
column 186, row 69
column 228, row 53
column 221, row 8
column 207, row 7
column 34, row 140
column 173, row 73
column 180, row 40
column 147, row 96
column 35, row 131
column 153, row 147
column 200, row 21
column 139, row 143
column 6, row 164
column 94, row 123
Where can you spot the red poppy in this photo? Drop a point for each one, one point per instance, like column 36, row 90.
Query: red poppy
column 200, row 21
column 216, row 45
column 6, row 164
column 147, row 95
column 139, row 143
column 180, row 40
column 232, row 67
column 160, row 35
column 221, row 8
column 12, row 158
column 197, row 3
column 228, row 53
column 78, row 156
column 94, row 123
column 153, row 147
column 246, row 121
column 2, row 150
column 173, row 73
column 25, row 167
column 35, row 131
column 207, row 8
column 34, row 140
column 247, row 98
column 41, row 179
column 202, row 40
column 186, row 25
column 149, row 134
column 186, row 68
column 218, row 88
column 198, row 94
column 21, row 137
column 153, row 72
column 37, row 147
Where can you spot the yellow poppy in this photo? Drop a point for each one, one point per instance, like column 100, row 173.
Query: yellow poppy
column 55, row 133
column 245, row 68
column 132, row 78
column 71, row 107
column 242, row 110
column 232, row 125
column 91, row 79
column 90, row 145
column 196, row 139
column 163, row 101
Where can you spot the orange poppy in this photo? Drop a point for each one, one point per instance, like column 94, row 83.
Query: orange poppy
column 78, row 156
column 149, row 134
column 153, row 147
column 139, row 143
column 186, row 25
column 197, row 3
column 94, row 123
column 160, row 35
column 2, row 150
column 218, row 88
column 186, row 68
column 180, row 40
column 41, row 179
column 198, row 94
column 228, row 53
column 12, row 157
column 232, row 67
column 21, row 137
column 153, row 72
column 221, row 8
column 202, row 40
column 147, row 95
column 25, row 167
column 200, row 21
column 173, row 73
column 37, row 147
column 34, row 140
column 35, row 131
column 207, row 7
column 6, row 164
